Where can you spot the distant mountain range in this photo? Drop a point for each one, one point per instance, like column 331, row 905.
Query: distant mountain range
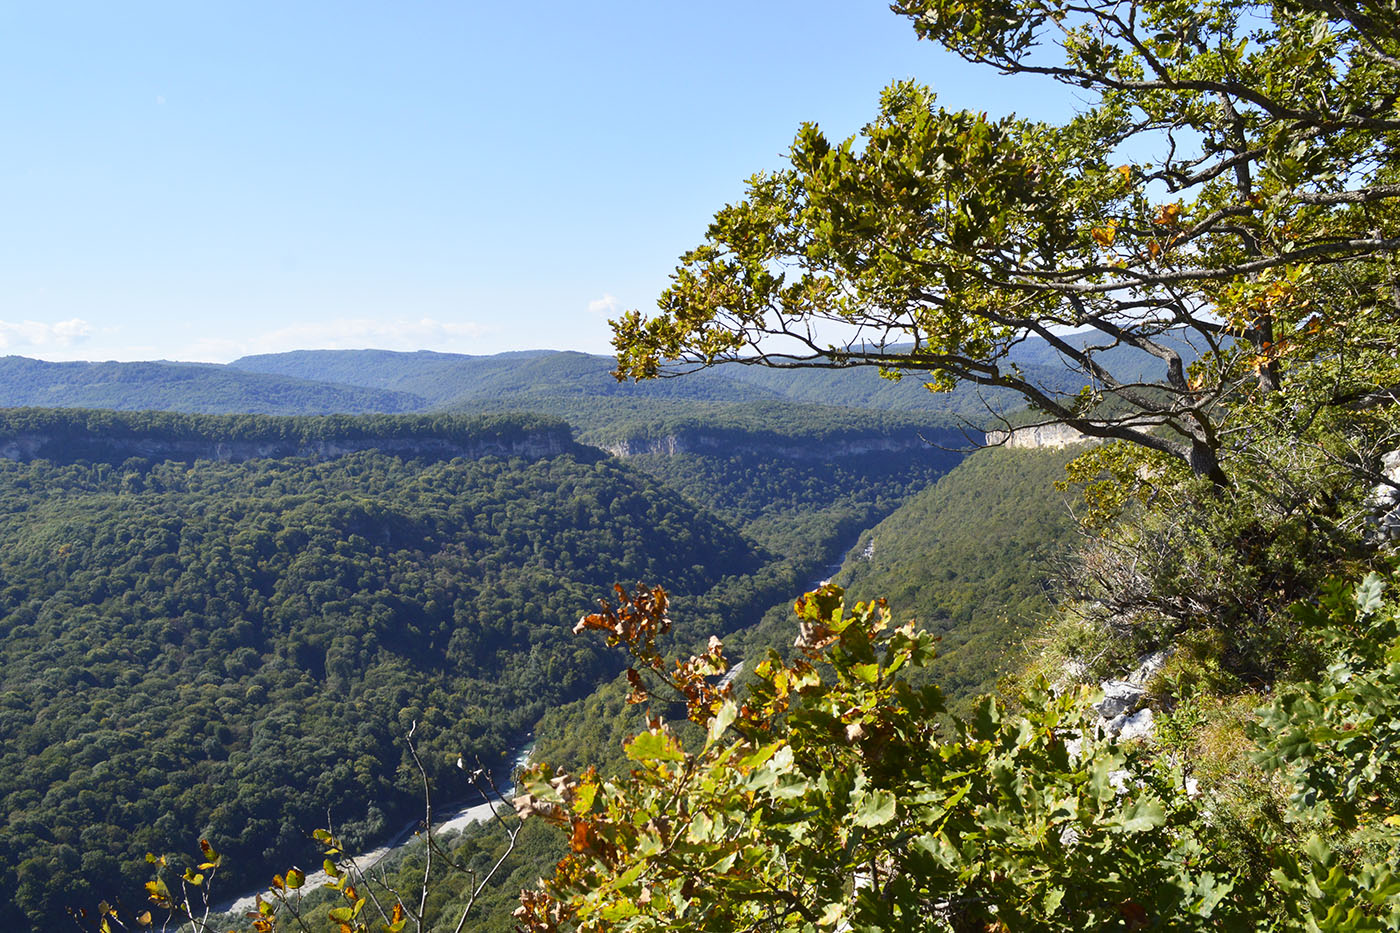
column 186, row 387
column 578, row 386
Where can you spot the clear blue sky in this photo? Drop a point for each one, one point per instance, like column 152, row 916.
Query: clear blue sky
column 200, row 180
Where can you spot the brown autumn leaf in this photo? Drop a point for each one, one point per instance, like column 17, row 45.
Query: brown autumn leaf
column 580, row 838
column 638, row 693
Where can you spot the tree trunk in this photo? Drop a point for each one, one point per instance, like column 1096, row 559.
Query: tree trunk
column 1205, row 461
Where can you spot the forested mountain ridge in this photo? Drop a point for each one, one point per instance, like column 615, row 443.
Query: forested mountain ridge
column 218, row 625
column 190, row 387
column 972, row 559
column 65, row 435
column 366, row 381
column 783, row 429
column 464, row 382
column 715, row 440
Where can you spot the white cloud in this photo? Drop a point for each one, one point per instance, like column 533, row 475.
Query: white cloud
column 606, row 306
column 38, row 335
column 350, row 334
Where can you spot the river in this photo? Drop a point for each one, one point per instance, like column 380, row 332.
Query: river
column 458, row 816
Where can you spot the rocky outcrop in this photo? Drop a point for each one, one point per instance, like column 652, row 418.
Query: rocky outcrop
column 1384, row 502
column 1039, row 436
column 670, row 445
column 1121, row 712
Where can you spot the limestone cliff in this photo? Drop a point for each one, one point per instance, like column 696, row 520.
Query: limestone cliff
column 1039, row 436
column 699, row 441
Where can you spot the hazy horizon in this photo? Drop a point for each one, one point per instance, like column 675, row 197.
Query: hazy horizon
column 204, row 182
column 523, row 351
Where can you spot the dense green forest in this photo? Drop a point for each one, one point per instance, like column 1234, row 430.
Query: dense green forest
column 111, row 435
column 801, row 480
column 973, row 560
column 229, row 649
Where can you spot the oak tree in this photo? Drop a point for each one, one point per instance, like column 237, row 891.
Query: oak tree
column 1223, row 206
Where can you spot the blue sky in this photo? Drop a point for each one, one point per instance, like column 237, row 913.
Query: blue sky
column 201, row 180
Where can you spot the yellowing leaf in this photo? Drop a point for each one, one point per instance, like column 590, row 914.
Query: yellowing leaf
column 584, row 795
column 727, row 711
column 158, row 892
column 654, row 746
column 869, row 673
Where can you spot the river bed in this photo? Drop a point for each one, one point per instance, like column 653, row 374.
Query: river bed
column 458, row 816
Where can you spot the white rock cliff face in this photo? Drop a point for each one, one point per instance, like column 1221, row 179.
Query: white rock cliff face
column 1384, row 501
column 1039, row 436
column 700, row 442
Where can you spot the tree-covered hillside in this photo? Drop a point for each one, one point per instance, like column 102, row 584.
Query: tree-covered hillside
column 973, row 559
column 803, row 492
column 457, row 380
column 224, row 648
column 558, row 382
column 112, row 436
column 227, row 650
column 554, row 381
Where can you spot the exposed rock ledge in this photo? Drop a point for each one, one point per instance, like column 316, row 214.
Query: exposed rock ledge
column 1036, row 436
column 1384, row 502
column 700, row 442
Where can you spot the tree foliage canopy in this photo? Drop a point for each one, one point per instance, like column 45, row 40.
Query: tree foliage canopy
column 1230, row 182
column 835, row 796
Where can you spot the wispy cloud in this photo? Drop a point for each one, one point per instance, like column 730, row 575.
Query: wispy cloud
column 32, row 336
column 351, row 334
column 606, row 306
